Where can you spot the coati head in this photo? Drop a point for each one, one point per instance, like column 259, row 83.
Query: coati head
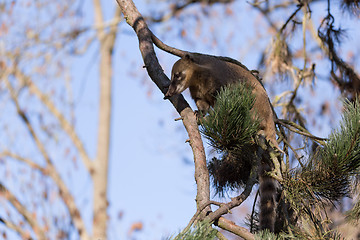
column 180, row 76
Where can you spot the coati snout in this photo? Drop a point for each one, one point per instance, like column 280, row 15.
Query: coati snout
column 179, row 81
column 177, row 85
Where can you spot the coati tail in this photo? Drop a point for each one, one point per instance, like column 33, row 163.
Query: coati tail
column 267, row 190
column 230, row 172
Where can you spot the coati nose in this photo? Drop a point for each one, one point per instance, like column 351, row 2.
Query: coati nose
column 167, row 96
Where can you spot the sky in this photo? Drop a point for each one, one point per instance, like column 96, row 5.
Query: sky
column 151, row 171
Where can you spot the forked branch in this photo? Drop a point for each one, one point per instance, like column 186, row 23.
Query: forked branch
column 137, row 22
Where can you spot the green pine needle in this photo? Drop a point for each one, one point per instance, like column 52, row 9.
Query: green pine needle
column 230, row 125
column 329, row 172
column 230, row 128
column 201, row 231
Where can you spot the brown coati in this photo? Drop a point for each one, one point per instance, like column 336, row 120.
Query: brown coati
column 205, row 75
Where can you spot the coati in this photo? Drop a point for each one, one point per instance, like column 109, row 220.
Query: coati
column 204, row 75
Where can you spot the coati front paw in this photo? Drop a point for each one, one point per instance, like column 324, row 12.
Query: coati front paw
column 199, row 116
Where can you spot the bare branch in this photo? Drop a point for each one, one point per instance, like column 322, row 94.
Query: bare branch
column 175, row 9
column 16, row 228
column 224, row 208
column 99, row 18
column 291, row 17
column 198, row 211
column 137, row 22
column 28, row 216
column 166, row 48
column 65, row 124
column 233, row 228
column 27, row 161
column 52, row 172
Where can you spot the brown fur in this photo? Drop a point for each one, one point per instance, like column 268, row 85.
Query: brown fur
column 204, row 75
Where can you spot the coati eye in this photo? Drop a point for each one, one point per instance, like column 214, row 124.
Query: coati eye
column 177, row 75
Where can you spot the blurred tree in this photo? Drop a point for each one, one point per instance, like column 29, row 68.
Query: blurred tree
column 37, row 39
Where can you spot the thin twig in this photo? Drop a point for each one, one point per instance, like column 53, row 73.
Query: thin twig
column 63, row 190
column 198, row 211
column 291, row 17
column 295, row 153
column 27, row 161
column 236, row 201
column 175, row 10
column 300, row 130
column 28, row 216
column 64, row 123
column 24, row 234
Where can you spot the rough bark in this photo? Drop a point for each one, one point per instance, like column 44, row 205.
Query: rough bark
column 137, row 22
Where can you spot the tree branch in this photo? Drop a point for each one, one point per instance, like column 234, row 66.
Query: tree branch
column 28, row 216
column 167, row 48
column 52, row 172
column 137, row 22
column 225, row 224
column 236, row 201
column 198, row 211
column 175, row 9
column 27, row 161
column 300, row 130
column 16, row 228
column 233, row 228
column 65, row 124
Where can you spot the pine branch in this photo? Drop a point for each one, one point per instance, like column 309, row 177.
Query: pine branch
column 354, row 214
column 327, row 174
column 202, row 230
column 233, row 228
column 230, row 128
